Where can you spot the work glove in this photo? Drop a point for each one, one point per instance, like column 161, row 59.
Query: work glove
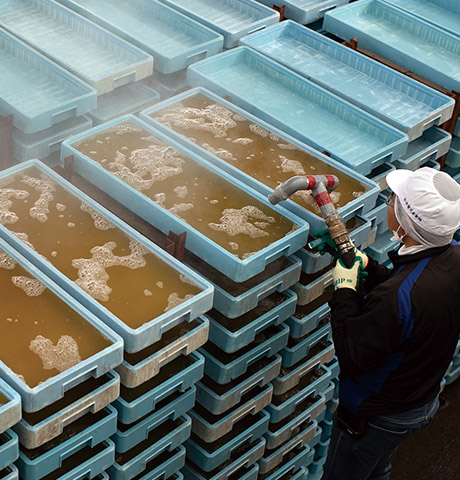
column 347, row 277
column 324, row 243
column 364, row 258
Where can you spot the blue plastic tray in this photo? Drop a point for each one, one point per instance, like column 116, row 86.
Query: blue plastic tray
column 303, row 459
column 306, row 11
column 231, row 18
column 35, row 398
column 391, row 96
column 309, row 317
column 98, row 57
column 264, row 181
column 218, row 399
column 312, row 286
column 242, row 462
column 234, row 299
column 93, row 395
column 453, row 157
column 27, row 146
column 311, row 408
column 174, row 40
column 433, row 144
column 130, row 98
column 196, row 241
column 284, row 405
column 223, row 367
column 135, row 339
column 166, row 466
column 402, row 38
column 209, row 456
column 300, row 107
column 210, row 428
column 457, row 128
column 445, row 14
column 10, row 411
column 133, row 462
column 48, row 459
column 378, row 216
column 182, row 339
column 169, row 84
column 177, row 376
column 382, row 246
column 9, row 450
column 300, row 350
column 379, row 174
column 10, row 473
column 128, row 436
column 232, row 334
column 58, row 95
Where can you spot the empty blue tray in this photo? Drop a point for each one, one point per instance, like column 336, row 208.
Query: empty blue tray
column 231, row 18
column 98, row 57
column 134, row 338
column 400, row 37
column 392, row 96
column 198, row 236
column 299, row 107
column 174, row 40
column 58, row 95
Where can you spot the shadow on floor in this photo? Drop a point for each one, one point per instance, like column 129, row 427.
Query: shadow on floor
column 433, row 453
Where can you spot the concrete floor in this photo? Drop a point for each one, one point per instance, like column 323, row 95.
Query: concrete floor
column 433, row 453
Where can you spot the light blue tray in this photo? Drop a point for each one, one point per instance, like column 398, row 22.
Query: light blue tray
column 311, row 408
column 35, row 429
column 233, row 334
column 262, row 184
column 28, row 146
column 209, row 456
column 381, row 247
column 453, row 157
column 218, row 399
column 306, row 11
column 303, row 459
column 177, row 376
column 242, row 462
column 378, row 175
column 105, row 425
column 9, row 450
column 196, row 241
column 58, row 95
column 130, row 98
column 378, row 216
column 166, row 466
column 211, row 428
column 174, row 40
column 223, row 367
column 128, row 436
column 140, row 367
column 98, row 57
column 53, row 389
column 433, row 144
column 389, row 95
column 404, row 39
column 231, row 18
column 234, row 299
column 312, row 286
column 11, row 473
column 10, row 412
column 299, row 107
column 445, row 14
column 134, row 338
column 132, row 463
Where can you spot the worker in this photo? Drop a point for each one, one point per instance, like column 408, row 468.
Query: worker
column 395, row 341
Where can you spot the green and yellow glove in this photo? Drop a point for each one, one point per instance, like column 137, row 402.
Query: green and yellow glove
column 347, row 277
column 364, row 258
column 324, row 243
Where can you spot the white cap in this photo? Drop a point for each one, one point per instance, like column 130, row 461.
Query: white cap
column 429, row 204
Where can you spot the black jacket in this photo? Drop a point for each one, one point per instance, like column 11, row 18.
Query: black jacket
column 395, row 344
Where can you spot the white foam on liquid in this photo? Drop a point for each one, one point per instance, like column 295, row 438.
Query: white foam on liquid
column 61, row 356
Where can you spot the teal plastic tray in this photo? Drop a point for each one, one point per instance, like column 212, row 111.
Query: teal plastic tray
column 400, row 37
column 196, row 239
column 301, row 108
column 165, row 466
column 10, row 473
column 9, row 449
column 98, row 57
column 10, row 411
column 453, row 157
column 272, row 136
column 391, row 96
column 174, row 40
column 58, row 95
column 135, row 339
column 444, row 14
column 231, row 18
column 301, row 460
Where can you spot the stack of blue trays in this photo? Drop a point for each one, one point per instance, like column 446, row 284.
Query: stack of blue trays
column 10, row 414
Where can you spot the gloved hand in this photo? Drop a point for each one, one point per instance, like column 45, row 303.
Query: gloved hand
column 326, row 245
column 364, row 258
column 347, row 277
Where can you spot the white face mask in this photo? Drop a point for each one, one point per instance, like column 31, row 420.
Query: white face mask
column 396, row 237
